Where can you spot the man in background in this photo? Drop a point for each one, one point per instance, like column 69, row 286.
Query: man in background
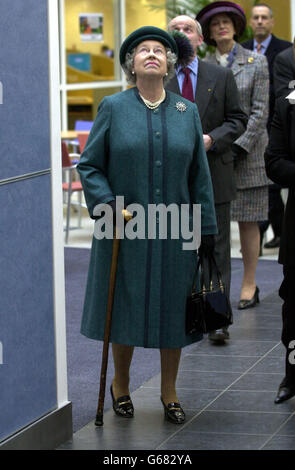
column 215, row 92
column 284, row 72
column 264, row 42
column 280, row 167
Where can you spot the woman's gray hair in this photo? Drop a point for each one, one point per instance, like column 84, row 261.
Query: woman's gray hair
column 129, row 62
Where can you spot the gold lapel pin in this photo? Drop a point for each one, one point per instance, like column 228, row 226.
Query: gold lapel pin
column 250, row 60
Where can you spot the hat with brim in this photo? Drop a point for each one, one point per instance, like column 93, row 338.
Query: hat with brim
column 206, row 14
column 144, row 34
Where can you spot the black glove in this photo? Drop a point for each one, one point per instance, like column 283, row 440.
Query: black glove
column 112, row 204
column 116, row 214
column 207, row 245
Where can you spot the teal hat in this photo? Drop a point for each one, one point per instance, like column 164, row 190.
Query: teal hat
column 143, row 34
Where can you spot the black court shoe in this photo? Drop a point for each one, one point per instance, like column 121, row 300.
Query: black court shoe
column 174, row 412
column 123, row 406
column 274, row 243
column 243, row 304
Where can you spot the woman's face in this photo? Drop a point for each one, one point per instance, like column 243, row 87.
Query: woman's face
column 150, row 59
column 221, row 28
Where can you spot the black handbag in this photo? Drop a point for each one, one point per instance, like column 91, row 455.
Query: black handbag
column 194, row 316
column 208, row 309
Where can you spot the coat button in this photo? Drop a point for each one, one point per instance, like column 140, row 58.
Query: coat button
column 158, row 163
column 158, row 191
column 156, row 111
column 158, row 134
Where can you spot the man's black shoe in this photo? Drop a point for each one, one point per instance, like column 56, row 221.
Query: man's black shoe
column 274, row 243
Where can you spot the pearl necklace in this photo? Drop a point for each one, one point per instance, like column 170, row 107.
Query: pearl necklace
column 155, row 104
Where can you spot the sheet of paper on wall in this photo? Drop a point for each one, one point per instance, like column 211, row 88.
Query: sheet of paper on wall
column 91, row 27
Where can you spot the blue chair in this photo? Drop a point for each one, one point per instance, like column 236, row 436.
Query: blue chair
column 83, row 125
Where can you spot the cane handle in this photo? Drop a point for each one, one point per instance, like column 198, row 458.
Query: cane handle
column 127, row 215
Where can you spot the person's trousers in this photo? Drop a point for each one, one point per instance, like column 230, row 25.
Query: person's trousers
column 221, row 250
column 275, row 211
column 222, row 244
column 287, row 293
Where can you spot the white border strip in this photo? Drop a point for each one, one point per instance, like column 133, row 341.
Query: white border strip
column 122, row 19
column 62, row 59
column 57, row 208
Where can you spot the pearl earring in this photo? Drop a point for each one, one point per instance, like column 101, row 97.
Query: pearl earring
column 132, row 72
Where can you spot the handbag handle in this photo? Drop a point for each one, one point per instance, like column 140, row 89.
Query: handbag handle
column 212, row 261
column 202, row 280
column 212, row 264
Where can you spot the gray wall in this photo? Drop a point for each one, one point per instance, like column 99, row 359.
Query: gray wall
column 27, row 371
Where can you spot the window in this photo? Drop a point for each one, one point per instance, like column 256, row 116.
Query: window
column 91, row 33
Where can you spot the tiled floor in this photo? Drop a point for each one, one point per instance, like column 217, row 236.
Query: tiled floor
column 226, row 391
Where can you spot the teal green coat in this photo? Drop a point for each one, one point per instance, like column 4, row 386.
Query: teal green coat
column 147, row 157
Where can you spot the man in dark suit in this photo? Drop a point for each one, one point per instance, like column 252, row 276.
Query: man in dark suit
column 266, row 43
column 280, row 167
column 214, row 90
column 284, row 72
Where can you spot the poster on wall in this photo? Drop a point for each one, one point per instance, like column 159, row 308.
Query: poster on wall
column 91, row 27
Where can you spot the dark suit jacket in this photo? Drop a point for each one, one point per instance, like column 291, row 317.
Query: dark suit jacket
column 276, row 46
column 284, row 72
column 217, row 98
column 280, row 167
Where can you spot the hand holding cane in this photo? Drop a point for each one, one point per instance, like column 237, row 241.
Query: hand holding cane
column 108, row 323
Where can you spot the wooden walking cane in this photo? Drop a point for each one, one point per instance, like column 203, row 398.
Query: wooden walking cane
column 108, row 324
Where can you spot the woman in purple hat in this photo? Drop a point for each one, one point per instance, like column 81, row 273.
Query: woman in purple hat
column 223, row 23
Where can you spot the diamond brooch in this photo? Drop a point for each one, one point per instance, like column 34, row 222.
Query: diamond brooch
column 180, row 106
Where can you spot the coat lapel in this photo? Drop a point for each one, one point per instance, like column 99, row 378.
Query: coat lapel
column 205, row 86
column 239, row 61
column 272, row 50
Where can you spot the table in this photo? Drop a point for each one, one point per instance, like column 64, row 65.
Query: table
column 71, row 135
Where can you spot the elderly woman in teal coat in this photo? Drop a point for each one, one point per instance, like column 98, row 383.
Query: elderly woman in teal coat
column 145, row 145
